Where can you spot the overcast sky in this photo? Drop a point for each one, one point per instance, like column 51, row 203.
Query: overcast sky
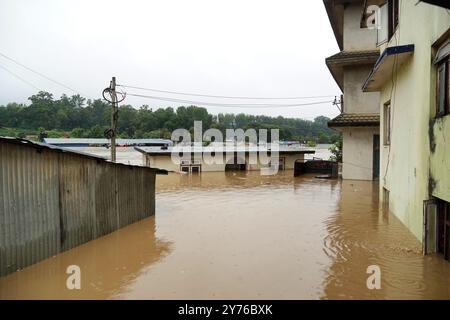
column 252, row 48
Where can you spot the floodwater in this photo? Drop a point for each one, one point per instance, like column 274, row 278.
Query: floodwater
column 129, row 155
column 246, row 236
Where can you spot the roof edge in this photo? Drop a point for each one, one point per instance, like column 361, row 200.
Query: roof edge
column 42, row 146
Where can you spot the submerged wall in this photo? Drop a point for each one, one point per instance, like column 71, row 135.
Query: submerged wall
column 165, row 162
column 52, row 201
column 357, row 155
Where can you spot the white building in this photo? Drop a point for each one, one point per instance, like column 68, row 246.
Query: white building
column 359, row 120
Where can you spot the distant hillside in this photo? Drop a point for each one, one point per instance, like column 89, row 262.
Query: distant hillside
column 77, row 117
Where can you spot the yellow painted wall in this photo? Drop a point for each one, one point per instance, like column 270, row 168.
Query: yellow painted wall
column 405, row 163
column 439, row 160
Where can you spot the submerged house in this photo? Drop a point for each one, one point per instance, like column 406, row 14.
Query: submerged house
column 53, row 199
column 96, row 142
column 359, row 120
column 195, row 159
column 412, row 76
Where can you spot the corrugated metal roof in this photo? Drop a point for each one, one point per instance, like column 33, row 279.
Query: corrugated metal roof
column 296, row 149
column 52, row 200
column 95, row 141
column 355, row 120
column 39, row 145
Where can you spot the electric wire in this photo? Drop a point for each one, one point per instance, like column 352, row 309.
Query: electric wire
column 224, row 97
column 237, row 105
column 392, row 98
column 41, row 74
column 20, row 78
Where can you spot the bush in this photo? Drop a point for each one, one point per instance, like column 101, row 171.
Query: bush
column 311, row 143
column 336, row 150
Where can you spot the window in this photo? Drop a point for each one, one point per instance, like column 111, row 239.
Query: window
column 281, row 163
column 382, row 31
column 442, row 62
column 195, row 169
column 392, row 17
column 443, row 232
column 387, row 123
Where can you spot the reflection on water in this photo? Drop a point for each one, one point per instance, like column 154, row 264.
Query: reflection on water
column 243, row 235
column 108, row 265
column 359, row 235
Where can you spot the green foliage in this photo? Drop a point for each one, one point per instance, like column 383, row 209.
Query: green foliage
column 311, row 143
column 336, row 150
column 80, row 118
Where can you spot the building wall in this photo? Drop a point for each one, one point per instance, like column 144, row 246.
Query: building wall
column 356, row 38
column 357, row 157
column 440, row 158
column 405, row 163
column 53, row 201
column 358, row 141
column 165, row 162
column 355, row 100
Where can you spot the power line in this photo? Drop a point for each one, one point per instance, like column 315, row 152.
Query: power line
column 237, row 105
column 40, row 74
column 20, row 78
column 223, row 97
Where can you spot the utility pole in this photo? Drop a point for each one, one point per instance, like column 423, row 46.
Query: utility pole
column 112, row 88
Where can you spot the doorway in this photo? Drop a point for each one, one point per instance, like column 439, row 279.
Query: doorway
column 236, row 164
column 376, row 157
column 443, row 228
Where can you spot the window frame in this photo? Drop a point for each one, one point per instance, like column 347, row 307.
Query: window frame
column 382, row 31
column 393, row 17
column 387, row 119
column 445, row 63
column 443, row 232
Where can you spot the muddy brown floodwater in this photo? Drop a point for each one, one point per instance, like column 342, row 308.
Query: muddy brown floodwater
column 243, row 235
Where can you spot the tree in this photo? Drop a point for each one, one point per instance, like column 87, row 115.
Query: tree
column 89, row 118
column 336, row 150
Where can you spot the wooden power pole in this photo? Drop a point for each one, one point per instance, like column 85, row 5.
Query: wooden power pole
column 113, row 118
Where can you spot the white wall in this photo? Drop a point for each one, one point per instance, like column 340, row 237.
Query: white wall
column 356, row 38
column 358, row 153
column 355, row 100
column 165, row 162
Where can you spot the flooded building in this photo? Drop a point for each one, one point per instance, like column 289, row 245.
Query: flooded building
column 412, row 77
column 94, row 142
column 194, row 159
column 125, row 152
column 359, row 120
column 53, row 199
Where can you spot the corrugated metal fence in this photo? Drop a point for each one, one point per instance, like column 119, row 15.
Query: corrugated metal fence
column 53, row 200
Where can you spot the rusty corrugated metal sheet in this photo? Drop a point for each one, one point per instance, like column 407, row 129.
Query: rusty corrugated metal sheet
column 134, row 197
column 106, row 199
column 52, row 201
column 29, row 197
column 77, row 207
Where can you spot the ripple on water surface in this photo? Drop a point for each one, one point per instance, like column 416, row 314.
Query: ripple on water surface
column 243, row 235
